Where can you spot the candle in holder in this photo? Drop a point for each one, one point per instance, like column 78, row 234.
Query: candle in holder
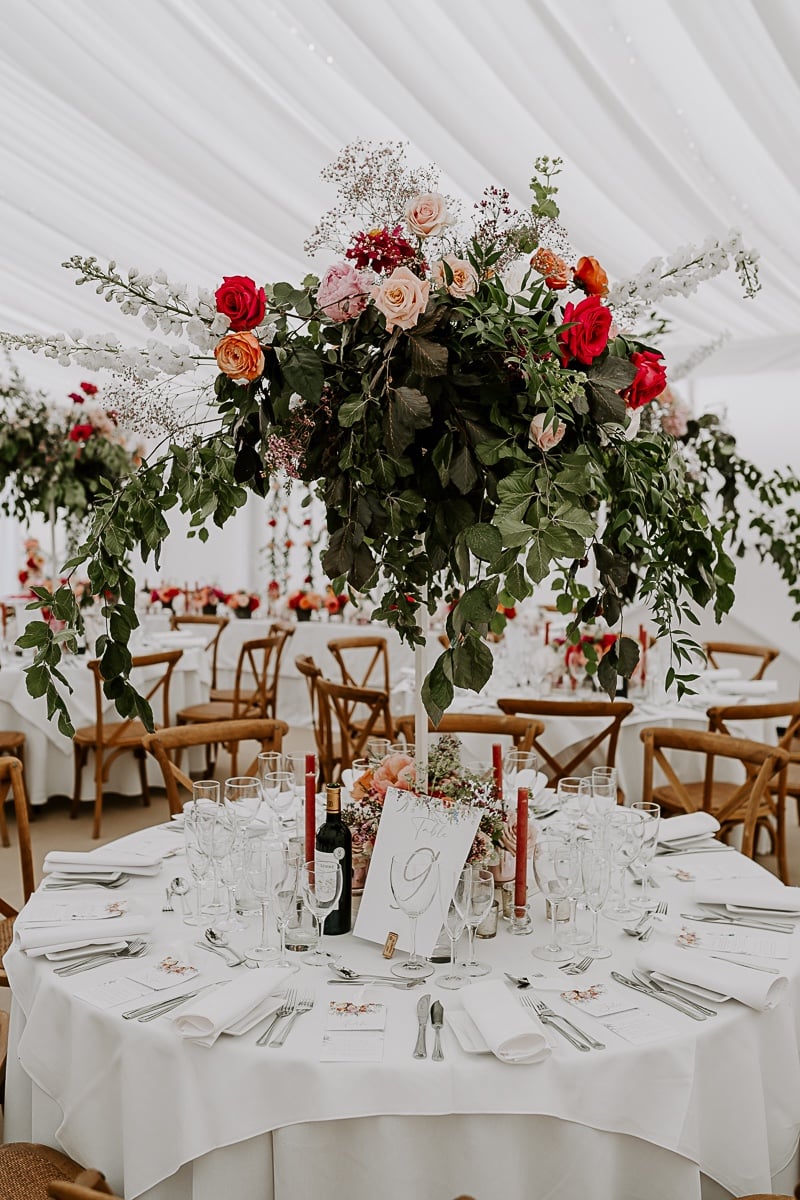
column 520, row 879
column 497, row 770
column 311, row 807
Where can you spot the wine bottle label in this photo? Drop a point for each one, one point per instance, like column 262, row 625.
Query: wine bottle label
column 326, row 873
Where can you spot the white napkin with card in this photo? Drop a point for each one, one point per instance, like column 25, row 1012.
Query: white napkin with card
column 73, row 862
column 687, row 825
column 764, row 894
column 233, row 1009
column 507, row 1028
column 39, row 939
column 692, row 967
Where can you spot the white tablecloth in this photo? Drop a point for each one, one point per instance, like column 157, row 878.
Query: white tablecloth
column 48, row 754
column 719, row 1098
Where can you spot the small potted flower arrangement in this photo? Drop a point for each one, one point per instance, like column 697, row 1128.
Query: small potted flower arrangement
column 448, row 780
column 206, row 600
column 165, row 596
column 303, row 602
column 586, row 652
column 335, row 604
column 242, row 604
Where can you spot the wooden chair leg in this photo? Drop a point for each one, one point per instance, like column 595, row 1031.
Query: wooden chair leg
column 98, row 791
column 780, row 839
column 79, row 757
column 6, row 840
column 141, row 758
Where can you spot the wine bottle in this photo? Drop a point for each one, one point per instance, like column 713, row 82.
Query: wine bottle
column 334, row 844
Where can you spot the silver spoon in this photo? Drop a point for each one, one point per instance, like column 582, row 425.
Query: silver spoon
column 219, row 941
column 354, row 976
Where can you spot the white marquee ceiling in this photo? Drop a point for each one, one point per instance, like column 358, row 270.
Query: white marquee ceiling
column 189, row 134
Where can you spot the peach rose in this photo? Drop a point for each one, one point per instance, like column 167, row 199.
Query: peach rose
column 546, row 439
column 396, row 770
column 552, row 266
column 240, row 357
column 401, row 298
column 427, row 215
column 465, row 278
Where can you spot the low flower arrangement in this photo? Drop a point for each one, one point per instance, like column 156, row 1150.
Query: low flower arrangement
column 303, row 602
column 242, row 604
column 207, row 598
column 582, row 657
column 164, row 595
column 32, row 573
column 335, row 604
column 448, row 780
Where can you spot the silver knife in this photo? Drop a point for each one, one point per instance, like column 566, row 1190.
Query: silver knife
column 423, row 1004
column 745, row 924
column 437, row 1020
column 646, row 990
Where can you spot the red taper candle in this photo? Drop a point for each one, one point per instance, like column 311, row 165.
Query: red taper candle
column 521, row 874
column 547, row 633
column 311, row 806
column 497, row 770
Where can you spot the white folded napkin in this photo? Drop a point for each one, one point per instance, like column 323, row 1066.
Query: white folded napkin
column 712, row 674
column 40, row 939
column 767, row 893
column 232, row 1009
column 746, row 687
column 687, row 825
column 753, row 988
column 74, row 862
column 506, row 1027
column 534, row 781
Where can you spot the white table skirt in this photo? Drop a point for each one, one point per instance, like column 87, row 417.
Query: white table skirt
column 720, row 1098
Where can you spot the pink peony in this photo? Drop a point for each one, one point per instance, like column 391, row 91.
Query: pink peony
column 343, row 292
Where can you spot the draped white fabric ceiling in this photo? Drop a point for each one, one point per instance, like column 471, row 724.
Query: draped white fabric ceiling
column 189, row 134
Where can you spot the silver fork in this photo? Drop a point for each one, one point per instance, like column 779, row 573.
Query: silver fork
column 658, row 912
column 134, row 948
column 285, row 1010
column 578, row 967
column 577, row 1038
column 167, row 905
column 304, row 1005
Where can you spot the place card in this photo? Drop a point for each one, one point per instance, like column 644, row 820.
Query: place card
column 638, row 1027
column 167, row 973
column 354, row 1032
column 736, row 941
column 356, row 1015
column 597, row 999
column 112, row 992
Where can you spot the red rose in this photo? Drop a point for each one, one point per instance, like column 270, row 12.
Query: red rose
column 588, row 336
column 649, row 381
column 89, row 388
column 77, row 398
column 241, row 302
column 81, row 433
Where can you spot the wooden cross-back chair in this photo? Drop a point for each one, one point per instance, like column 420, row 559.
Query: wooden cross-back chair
column 89, row 1185
column 335, row 705
column 720, row 720
column 255, row 689
column 328, row 746
column 230, row 734
column 747, row 802
column 207, row 623
column 613, row 712
column 110, row 739
column 363, row 662
column 12, row 741
column 11, row 777
column 282, row 632
column 764, row 654
column 30, row 1171
column 523, row 731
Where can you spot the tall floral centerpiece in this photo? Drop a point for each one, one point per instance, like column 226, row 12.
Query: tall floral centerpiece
column 461, row 393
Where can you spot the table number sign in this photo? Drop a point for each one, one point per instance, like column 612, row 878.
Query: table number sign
column 436, row 834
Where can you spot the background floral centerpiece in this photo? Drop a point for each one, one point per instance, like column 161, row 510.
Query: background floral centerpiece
column 583, row 657
column 303, row 602
column 206, row 599
column 448, row 780
column 165, row 595
column 242, row 604
column 334, row 604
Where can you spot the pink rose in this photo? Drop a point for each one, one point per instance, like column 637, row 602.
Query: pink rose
column 342, row 294
column 401, row 298
column 546, row 439
column 427, row 215
column 465, row 278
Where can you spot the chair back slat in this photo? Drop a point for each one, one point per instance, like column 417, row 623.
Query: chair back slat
column 763, row 654
column 358, row 666
column 336, row 704
column 328, row 756
column 613, row 711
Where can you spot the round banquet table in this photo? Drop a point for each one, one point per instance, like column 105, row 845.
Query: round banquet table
column 49, row 755
column 711, row 1110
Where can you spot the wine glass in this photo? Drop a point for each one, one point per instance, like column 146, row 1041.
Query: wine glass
column 197, row 820
column 242, row 797
column 231, row 873
column 454, row 925
column 474, row 897
column 278, row 791
column 596, row 874
column 574, row 797
column 556, row 867
column 414, row 880
column 206, row 795
column 604, row 790
column 321, row 885
column 650, row 815
column 625, row 829
column 295, row 764
column 284, row 868
column 377, row 748
column 520, row 768
column 258, row 870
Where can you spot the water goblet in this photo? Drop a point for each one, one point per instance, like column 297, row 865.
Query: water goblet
column 520, row 769
column 650, row 816
column 206, row 795
column 321, row 885
column 414, row 881
column 474, row 897
column 258, row 869
column 596, row 874
column 377, row 748
column 454, row 925
column 624, row 831
column 242, row 798
column 278, row 792
column 555, row 866
column 574, row 797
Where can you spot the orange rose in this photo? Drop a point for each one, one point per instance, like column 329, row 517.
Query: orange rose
column 590, row 277
column 240, row 357
column 554, row 269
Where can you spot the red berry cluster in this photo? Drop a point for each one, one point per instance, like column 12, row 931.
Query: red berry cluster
column 381, row 250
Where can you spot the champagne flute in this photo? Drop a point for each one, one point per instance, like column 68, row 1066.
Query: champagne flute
column 284, row 868
column 258, row 869
column 474, row 897
column 278, row 791
column 574, row 797
column 206, row 795
column 604, row 789
column 650, row 816
column 555, row 865
column 454, row 925
column 321, row 884
column 414, row 880
column 596, row 874
column 198, row 859
column 624, row 828
column 518, row 763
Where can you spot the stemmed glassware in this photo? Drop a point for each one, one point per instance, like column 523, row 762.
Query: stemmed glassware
column 596, row 874
column 258, row 871
column 515, row 762
column 650, row 815
column 454, row 925
column 624, row 829
column 604, row 790
column 284, row 868
column 574, row 797
column 278, row 790
column 198, row 820
column 242, row 798
column 474, row 897
column 206, row 795
column 414, row 881
column 556, row 867
column 377, row 748
column 321, row 885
